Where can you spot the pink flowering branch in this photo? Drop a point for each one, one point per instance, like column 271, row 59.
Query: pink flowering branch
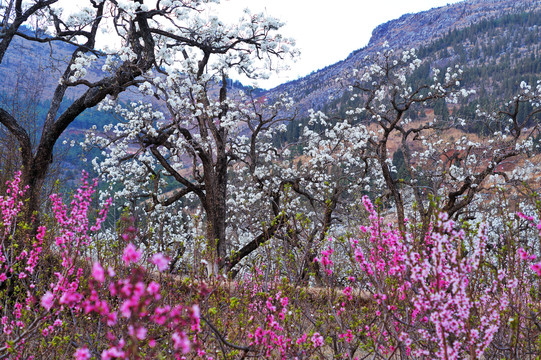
column 426, row 302
column 128, row 306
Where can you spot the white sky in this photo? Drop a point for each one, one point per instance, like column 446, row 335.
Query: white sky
column 328, row 31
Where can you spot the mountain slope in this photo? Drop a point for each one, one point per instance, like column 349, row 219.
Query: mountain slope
column 432, row 32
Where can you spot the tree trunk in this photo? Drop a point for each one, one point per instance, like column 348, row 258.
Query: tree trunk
column 393, row 188
column 215, row 206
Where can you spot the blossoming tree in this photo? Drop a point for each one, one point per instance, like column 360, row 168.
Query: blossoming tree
column 141, row 38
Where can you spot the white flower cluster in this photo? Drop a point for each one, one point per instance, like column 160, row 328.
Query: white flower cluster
column 80, row 65
column 81, row 18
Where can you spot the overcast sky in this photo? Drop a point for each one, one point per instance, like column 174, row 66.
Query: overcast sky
column 328, row 31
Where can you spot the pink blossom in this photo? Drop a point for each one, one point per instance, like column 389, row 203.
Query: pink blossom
column 302, row 339
column 98, row 272
column 442, row 300
column 113, row 353
column 196, row 311
column 348, row 336
column 154, row 289
column 70, row 298
column 317, row 340
column 141, row 333
column 523, row 254
column 131, row 254
column 160, row 261
column 111, row 272
column 537, row 268
column 271, row 307
column 125, row 308
column 82, row 354
column 181, row 342
column 47, row 300
column 111, row 318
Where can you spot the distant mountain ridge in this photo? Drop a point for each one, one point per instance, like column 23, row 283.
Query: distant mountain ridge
column 419, row 28
column 408, row 31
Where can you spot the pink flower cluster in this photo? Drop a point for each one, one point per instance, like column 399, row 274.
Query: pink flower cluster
column 430, row 295
column 426, row 297
column 272, row 336
column 139, row 306
column 536, row 267
column 18, row 263
column 325, row 260
column 129, row 307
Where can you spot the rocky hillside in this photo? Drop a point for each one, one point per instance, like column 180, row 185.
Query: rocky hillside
column 418, row 29
column 432, row 32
